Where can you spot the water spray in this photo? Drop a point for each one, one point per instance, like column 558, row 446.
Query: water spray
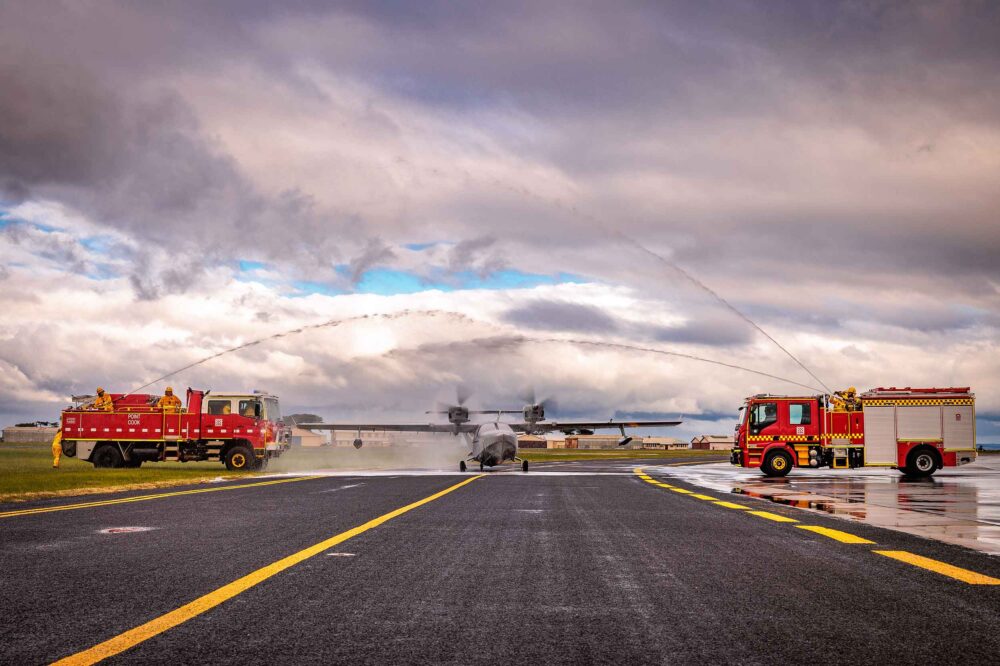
column 331, row 323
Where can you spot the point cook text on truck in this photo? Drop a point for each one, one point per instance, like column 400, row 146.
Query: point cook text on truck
column 243, row 431
column 915, row 430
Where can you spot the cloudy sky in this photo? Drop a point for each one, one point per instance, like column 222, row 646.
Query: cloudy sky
column 490, row 182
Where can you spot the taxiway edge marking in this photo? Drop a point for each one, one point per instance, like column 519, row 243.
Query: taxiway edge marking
column 156, row 626
column 950, row 570
column 142, row 498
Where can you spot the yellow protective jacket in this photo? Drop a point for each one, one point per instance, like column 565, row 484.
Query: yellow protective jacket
column 169, row 403
column 57, row 448
column 103, row 402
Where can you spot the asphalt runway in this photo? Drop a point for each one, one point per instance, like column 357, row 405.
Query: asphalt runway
column 570, row 563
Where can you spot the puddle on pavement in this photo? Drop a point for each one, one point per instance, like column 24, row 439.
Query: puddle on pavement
column 956, row 505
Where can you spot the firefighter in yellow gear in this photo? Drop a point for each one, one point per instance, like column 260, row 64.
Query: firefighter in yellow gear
column 169, row 402
column 102, row 402
column 56, row 449
column 845, row 401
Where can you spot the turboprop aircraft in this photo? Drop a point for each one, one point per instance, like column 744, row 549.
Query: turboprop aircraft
column 493, row 442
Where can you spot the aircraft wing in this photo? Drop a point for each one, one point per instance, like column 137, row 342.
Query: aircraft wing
column 391, row 427
column 571, row 426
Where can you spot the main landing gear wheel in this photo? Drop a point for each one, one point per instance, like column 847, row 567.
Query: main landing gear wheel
column 524, row 465
column 461, row 466
column 778, row 463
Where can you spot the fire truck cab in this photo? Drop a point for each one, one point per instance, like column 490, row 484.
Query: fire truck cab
column 917, row 431
column 241, row 430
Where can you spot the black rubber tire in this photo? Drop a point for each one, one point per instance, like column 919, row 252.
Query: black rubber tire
column 921, row 462
column 461, row 466
column 107, row 456
column 240, row 459
column 133, row 464
column 524, row 465
column 777, row 464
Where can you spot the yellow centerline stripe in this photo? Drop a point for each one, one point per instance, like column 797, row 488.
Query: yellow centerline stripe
column 772, row 516
column 705, row 497
column 144, row 632
column 837, row 535
column 143, row 498
column 958, row 573
column 731, row 505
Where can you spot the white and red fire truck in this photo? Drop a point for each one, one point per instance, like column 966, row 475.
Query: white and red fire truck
column 915, row 430
column 241, row 430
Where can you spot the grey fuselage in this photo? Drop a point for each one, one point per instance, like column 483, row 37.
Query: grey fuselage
column 494, row 443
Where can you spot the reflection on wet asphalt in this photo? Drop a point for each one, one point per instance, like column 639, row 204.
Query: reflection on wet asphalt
column 959, row 505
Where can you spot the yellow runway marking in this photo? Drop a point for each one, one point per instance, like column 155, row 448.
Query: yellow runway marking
column 143, row 498
column 837, row 535
column 705, row 497
column 144, row 632
column 663, row 485
column 731, row 505
column 772, row 516
column 964, row 575
column 682, row 491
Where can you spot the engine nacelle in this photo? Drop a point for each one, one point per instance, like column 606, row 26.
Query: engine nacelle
column 358, row 443
column 458, row 414
column 534, row 413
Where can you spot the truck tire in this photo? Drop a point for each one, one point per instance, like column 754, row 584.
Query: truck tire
column 133, row 464
column 776, row 464
column 240, row 459
column 921, row 462
column 107, row 455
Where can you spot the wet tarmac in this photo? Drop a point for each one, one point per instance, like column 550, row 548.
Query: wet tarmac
column 957, row 505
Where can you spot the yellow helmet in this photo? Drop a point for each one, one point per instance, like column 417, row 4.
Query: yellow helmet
column 100, row 390
column 169, row 390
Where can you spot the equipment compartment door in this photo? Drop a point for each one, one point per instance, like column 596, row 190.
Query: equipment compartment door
column 880, row 435
column 959, row 432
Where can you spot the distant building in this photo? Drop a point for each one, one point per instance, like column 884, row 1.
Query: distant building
column 712, row 442
column 29, row 434
column 663, row 443
column 532, row 442
column 592, row 441
column 308, row 438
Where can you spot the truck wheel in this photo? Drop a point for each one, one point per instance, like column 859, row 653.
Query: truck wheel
column 776, row 464
column 108, row 455
column 239, row 459
column 921, row 463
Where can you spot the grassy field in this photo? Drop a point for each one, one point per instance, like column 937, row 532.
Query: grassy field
column 551, row 455
column 26, row 473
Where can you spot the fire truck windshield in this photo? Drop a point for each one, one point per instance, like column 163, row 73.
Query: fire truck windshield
column 272, row 412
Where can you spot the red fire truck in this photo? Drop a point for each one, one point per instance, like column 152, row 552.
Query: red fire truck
column 915, row 430
column 241, row 430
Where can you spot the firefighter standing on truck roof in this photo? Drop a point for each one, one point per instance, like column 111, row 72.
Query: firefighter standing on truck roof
column 57, row 449
column 102, row 402
column 169, row 402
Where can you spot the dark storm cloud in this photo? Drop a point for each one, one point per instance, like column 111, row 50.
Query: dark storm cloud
column 374, row 252
column 738, row 110
column 561, row 316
